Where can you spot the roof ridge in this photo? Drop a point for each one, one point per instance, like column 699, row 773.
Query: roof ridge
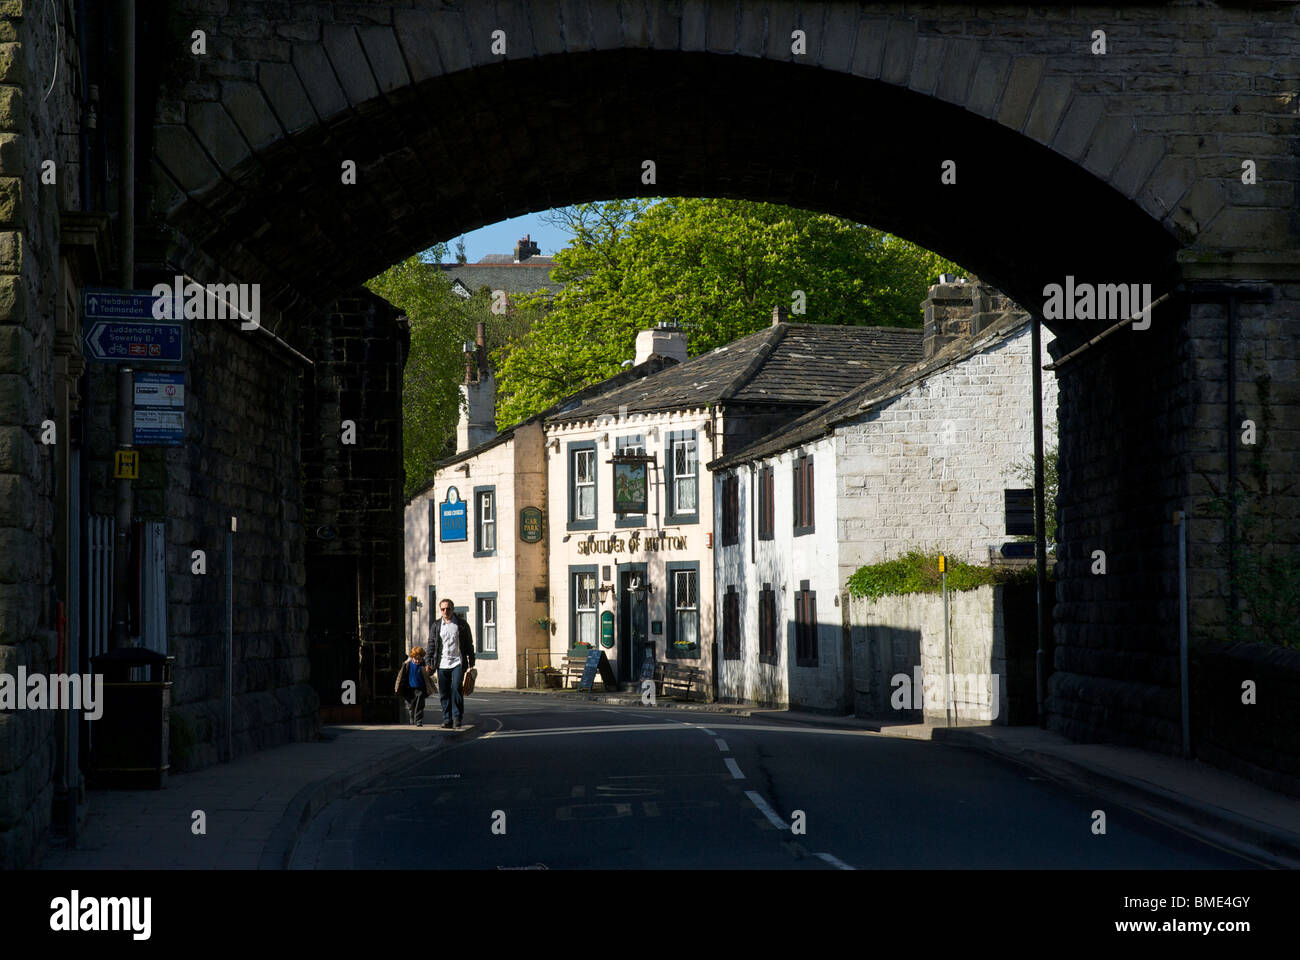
column 863, row 399
column 776, row 334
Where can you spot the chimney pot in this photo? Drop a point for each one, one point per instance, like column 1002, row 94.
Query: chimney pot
column 779, row 314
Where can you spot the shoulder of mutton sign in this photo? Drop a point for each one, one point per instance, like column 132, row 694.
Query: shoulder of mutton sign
column 452, row 516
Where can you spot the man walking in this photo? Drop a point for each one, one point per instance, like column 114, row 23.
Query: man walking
column 456, row 655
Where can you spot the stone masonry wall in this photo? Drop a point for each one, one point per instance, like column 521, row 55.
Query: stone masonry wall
column 981, row 645
column 240, row 458
column 360, row 350
column 1158, row 397
column 34, row 127
column 927, row 470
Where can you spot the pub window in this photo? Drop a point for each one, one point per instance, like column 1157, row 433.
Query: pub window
column 685, row 606
column 766, row 503
column 683, row 478
column 803, row 495
column 485, row 521
column 582, row 486
column 805, row 625
column 433, row 525
column 767, row 652
column 730, row 510
column 486, row 635
column 584, row 608
column 731, row 625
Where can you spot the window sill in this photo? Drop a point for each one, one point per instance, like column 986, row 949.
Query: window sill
column 581, row 525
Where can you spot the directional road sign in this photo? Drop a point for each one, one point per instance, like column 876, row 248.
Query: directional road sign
column 120, row 328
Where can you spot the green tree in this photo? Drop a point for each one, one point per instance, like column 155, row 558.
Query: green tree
column 441, row 324
column 715, row 268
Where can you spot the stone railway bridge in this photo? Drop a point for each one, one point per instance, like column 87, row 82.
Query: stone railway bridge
column 1117, row 167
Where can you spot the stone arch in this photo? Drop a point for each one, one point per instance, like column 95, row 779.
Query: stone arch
column 1130, row 120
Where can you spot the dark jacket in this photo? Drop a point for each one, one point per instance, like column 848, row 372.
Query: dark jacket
column 401, row 685
column 466, row 642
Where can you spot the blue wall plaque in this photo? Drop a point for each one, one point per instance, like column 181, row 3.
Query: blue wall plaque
column 451, row 517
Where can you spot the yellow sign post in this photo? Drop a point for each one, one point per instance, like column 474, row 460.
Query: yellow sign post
column 126, row 465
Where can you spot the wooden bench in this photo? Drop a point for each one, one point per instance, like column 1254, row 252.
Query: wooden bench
column 678, row 675
column 573, row 667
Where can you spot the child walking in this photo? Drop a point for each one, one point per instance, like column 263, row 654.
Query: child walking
column 414, row 684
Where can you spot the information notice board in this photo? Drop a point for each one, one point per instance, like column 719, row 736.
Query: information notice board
column 596, row 660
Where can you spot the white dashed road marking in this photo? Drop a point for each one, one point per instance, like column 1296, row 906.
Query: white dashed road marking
column 735, row 769
column 722, row 744
column 835, row 861
column 757, row 800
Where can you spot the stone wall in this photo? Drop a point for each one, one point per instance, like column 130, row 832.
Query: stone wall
column 1258, row 740
column 353, row 497
column 35, row 126
column 990, row 636
column 927, row 470
column 240, row 459
column 1116, row 659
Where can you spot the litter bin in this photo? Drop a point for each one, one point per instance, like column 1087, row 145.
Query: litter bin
column 129, row 740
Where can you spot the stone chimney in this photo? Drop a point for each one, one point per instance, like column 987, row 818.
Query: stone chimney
column 664, row 340
column 779, row 315
column 958, row 307
column 526, row 248
column 478, row 416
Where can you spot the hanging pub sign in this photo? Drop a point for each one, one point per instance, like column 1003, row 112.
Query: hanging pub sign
column 530, row 524
column 451, row 517
column 630, row 484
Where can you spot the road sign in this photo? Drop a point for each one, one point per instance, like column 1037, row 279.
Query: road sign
column 160, row 390
column 158, row 428
column 120, row 328
column 159, row 415
column 126, row 465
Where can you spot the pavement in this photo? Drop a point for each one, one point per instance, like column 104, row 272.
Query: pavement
column 256, row 808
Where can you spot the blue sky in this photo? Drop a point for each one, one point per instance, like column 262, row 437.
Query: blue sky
column 502, row 237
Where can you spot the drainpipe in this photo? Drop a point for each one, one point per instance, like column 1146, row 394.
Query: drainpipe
column 85, row 106
column 1180, row 521
column 126, row 253
column 1232, row 458
column 1040, row 526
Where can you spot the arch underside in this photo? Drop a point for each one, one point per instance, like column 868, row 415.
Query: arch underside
column 451, row 154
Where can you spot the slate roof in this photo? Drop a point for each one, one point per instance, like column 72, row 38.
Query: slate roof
column 533, row 274
column 799, row 364
column 858, row 401
column 649, row 368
